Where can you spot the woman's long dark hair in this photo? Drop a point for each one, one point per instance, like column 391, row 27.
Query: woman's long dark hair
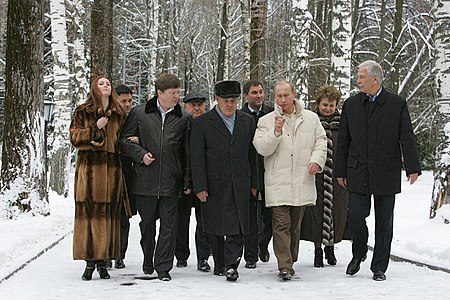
column 95, row 96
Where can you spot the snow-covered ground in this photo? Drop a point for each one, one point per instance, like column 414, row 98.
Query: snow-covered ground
column 54, row 275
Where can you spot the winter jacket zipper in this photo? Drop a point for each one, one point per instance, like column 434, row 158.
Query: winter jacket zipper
column 161, row 155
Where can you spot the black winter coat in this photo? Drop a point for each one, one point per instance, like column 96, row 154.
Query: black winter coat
column 169, row 172
column 220, row 165
column 373, row 137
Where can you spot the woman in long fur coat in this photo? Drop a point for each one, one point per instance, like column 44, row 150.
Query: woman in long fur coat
column 326, row 222
column 100, row 191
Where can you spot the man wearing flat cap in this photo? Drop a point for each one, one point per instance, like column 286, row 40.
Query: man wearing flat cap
column 194, row 103
column 221, row 143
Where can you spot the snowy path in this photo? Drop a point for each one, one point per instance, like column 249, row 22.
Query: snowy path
column 55, row 275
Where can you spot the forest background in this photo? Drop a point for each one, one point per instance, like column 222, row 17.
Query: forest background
column 50, row 50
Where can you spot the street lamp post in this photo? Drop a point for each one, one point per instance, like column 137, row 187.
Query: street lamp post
column 48, row 116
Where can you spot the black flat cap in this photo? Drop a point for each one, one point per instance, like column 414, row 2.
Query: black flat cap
column 228, row 89
column 194, row 97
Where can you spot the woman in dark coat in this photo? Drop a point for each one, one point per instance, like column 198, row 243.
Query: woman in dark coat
column 99, row 186
column 326, row 222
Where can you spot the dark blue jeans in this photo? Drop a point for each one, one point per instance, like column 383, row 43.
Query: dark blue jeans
column 359, row 210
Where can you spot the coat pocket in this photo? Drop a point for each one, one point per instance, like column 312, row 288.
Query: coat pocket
column 352, row 162
column 393, row 163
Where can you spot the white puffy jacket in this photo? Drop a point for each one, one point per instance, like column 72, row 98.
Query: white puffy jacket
column 286, row 158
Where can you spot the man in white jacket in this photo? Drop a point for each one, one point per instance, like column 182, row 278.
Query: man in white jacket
column 293, row 143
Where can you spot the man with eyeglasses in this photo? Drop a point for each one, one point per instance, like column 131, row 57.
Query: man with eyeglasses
column 221, row 144
column 160, row 169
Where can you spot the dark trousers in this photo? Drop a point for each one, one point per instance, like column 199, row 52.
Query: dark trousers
column 124, row 232
column 260, row 232
column 359, row 210
column 182, row 252
column 227, row 251
column 150, row 208
column 264, row 219
column 251, row 239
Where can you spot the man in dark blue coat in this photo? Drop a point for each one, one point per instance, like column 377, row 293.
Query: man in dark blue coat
column 260, row 216
column 375, row 132
column 221, row 145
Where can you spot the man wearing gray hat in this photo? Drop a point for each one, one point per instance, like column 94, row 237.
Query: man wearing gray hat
column 221, row 144
column 194, row 103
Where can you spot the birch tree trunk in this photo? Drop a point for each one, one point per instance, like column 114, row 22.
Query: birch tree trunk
column 79, row 83
column 245, row 17
column 23, row 184
column 102, row 38
column 258, row 39
column 441, row 188
column 342, row 44
column 382, row 47
column 174, row 39
column 299, row 61
column 395, row 45
column 152, row 36
column 163, row 44
column 59, row 153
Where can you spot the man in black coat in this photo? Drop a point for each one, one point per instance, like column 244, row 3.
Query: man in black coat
column 125, row 99
column 221, row 144
column 161, row 169
column 260, row 216
column 375, row 132
column 194, row 103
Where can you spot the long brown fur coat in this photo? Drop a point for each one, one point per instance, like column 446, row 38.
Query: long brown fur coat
column 100, row 190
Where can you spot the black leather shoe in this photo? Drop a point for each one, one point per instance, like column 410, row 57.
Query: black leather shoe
column 203, row 265
column 119, row 264
column 87, row 275
column 147, row 270
column 164, row 276
column 232, row 275
column 103, row 272
column 284, row 275
column 329, row 255
column 264, row 255
column 181, row 263
column 354, row 265
column 219, row 271
column 379, row 276
column 318, row 258
column 250, row 264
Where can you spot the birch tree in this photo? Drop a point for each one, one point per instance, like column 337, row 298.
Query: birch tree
column 152, row 36
column 341, row 49
column 79, row 68
column 441, row 189
column 23, row 184
column 60, row 150
column 301, row 22
column 245, row 19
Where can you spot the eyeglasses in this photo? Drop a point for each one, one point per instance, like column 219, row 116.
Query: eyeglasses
column 175, row 93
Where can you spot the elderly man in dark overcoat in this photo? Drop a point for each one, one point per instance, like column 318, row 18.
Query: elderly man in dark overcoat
column 375, row 132
column 221, row 144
